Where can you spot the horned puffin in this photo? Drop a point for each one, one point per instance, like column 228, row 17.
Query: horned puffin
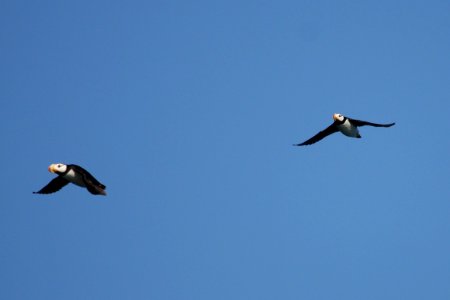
column 75, row 174
column 347, row 126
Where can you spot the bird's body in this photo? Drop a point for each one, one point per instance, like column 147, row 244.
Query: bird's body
column 349, row 129
column 74, row 177
column 72, row 174
column 345, row 125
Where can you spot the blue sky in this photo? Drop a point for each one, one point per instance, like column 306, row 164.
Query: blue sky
column 187, row 112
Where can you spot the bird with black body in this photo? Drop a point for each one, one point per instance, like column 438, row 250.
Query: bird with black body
column 345, row 125
column 72, row 174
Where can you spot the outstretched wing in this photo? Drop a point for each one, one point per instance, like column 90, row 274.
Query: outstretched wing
column 364, row 123
column 92, row 184
column 324, row 133
column 95, row 189
column 53, row 186
column 87, row 176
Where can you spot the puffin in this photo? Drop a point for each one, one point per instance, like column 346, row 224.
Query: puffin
column 347, row 126
column 74, row 174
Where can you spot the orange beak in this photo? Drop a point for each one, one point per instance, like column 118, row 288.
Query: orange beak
column 50, row 168
column 335, row 117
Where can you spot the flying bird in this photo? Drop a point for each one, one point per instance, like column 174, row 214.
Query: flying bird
column 347, row 126
column 74, row 174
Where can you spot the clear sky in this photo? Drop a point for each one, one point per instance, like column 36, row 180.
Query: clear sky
column 187, row 112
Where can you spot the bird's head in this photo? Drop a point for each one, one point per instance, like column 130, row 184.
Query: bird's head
column 338, row 117
column 57, row 168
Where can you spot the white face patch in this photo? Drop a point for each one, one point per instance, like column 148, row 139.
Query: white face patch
column 338, row 117
column 59, row 167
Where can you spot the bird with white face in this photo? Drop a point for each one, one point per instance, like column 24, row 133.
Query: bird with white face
column 345, row 125
column 74, row 174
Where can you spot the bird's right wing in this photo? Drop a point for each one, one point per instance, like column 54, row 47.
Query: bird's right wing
column 326, row 132
column 53, row 186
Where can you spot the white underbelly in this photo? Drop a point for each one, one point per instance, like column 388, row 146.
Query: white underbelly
column 348, row 129
column 75, row 178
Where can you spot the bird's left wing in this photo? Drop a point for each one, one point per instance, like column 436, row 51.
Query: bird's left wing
column 364, row 123
column 92, row 184
column 87, row 176
column 53, row 186
column 94, row 189
column 326, row 132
